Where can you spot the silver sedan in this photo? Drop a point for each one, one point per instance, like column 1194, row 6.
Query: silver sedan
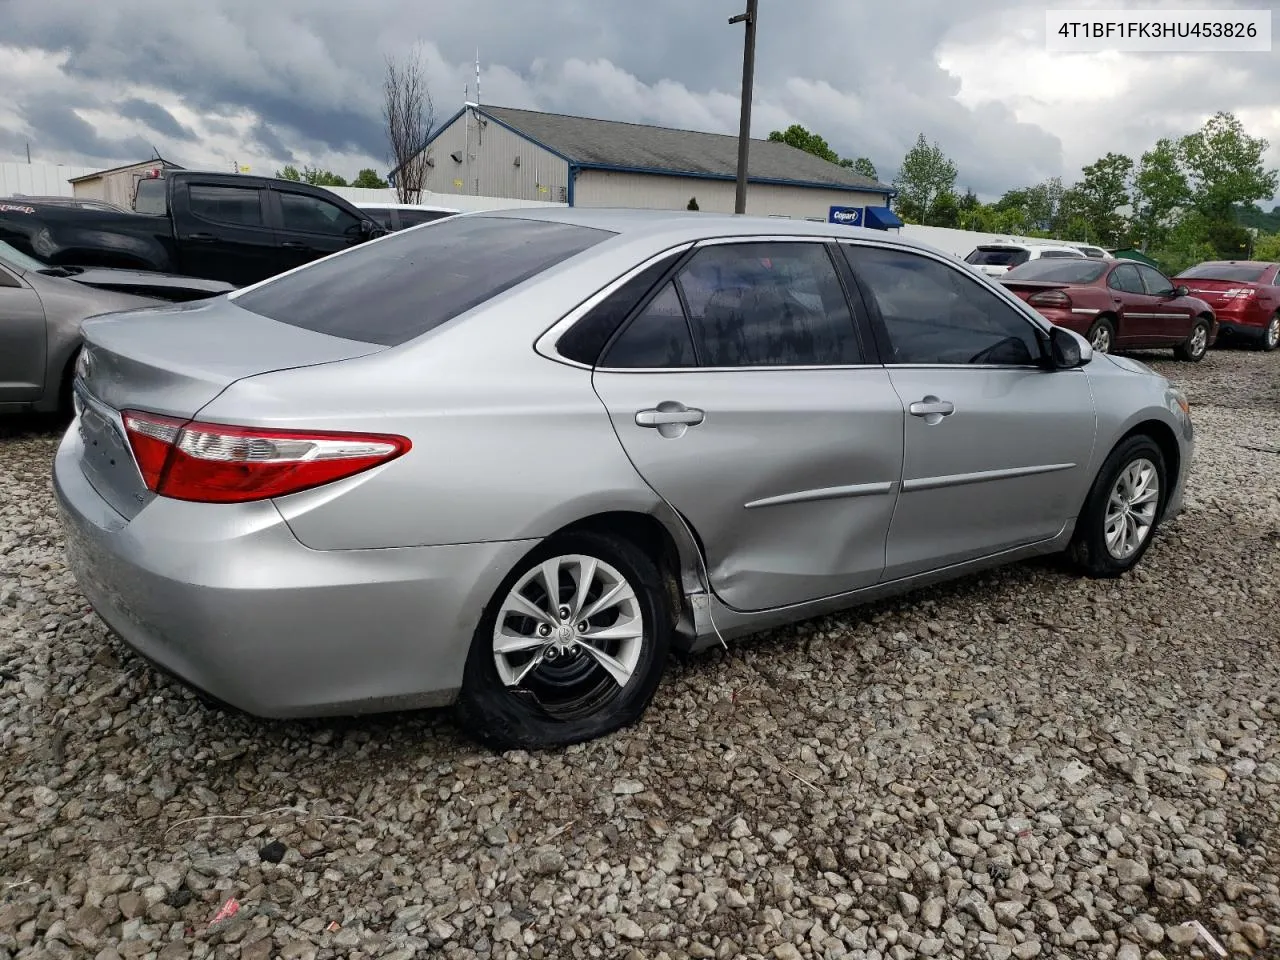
column 508, row 461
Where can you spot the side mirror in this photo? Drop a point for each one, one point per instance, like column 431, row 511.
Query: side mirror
column 1067, row 349
column 1181, row 291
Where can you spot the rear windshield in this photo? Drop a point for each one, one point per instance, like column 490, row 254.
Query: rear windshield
column 997, row 257
column 1233, row 272
column 1059, row 270
column 398, row 288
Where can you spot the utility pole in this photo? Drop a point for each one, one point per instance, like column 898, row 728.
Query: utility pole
column 744, row 127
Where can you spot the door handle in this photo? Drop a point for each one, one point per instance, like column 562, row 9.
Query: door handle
column 201, row 237
column 685, row 416
column 932, row 409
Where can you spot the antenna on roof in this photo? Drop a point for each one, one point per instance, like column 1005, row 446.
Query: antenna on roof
column 477, row 74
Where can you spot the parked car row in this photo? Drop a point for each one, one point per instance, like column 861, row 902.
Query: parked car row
column 1122, row 304
column 515, row 480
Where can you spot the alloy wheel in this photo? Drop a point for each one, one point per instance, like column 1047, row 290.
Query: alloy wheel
column 569, row 633
column 1131, row 508
column 1101, row 342
column 1199, row 340
column 1273, row 333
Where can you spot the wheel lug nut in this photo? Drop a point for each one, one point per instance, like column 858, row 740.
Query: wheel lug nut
column 544, row 630
column 583, row 626
column 564, row 613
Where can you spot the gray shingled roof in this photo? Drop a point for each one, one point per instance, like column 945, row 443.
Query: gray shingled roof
column 611, row 143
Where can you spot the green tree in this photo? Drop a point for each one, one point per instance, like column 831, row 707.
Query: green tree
column 946, row 211
column 800, row 138
column 312, row 175
column 1185, row 244
column 1095, row 199
column 693, row 204
column 1267, row 247
column 926, row 175
column 369, row 179
column 1224, row 166
column 862, row 165
column 1160, row 191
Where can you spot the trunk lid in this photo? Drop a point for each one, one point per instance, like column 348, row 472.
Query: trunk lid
column 173, row 360
column 144, row 283
column 1213, row 292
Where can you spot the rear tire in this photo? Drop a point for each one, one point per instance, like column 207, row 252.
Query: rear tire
column 1102, row 335
column 1121, row 513
column 1270, row 338
column 1196, row 345
column 548, row 688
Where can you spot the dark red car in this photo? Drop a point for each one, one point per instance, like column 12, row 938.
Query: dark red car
column 1245, row 296
column 1117, row 304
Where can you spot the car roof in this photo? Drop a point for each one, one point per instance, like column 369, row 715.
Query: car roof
column 677, row 226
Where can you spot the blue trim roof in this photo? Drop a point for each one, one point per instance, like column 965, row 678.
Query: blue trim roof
column 585, row 143
column 777, row 181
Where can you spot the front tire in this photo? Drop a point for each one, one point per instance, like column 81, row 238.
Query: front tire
column 1102, row 335
column 1270, row 338
column 1196, row 345
column 572, row 646
column 1122, row 511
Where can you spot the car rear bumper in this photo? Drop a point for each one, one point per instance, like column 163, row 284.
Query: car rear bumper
column 224, row 597
column 1253, row 324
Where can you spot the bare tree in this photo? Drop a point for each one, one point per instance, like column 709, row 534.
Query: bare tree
column 411, row 118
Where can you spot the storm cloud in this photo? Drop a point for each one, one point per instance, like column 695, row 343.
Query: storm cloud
column 300, row 80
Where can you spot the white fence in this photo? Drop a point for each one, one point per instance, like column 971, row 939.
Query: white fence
column 960, row 243
column 39, row 179
column 458, row 201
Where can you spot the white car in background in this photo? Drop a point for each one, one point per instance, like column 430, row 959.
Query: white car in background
column 399, row 216
column 998, row 258
column 1092, row 252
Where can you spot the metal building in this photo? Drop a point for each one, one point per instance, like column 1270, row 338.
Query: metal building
column 118, row 184
column 527, row 155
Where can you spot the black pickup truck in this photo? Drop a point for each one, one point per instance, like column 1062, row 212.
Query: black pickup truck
column 218, row 226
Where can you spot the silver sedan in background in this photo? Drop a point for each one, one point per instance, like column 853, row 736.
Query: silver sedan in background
column 507, row 461
column 42, row 307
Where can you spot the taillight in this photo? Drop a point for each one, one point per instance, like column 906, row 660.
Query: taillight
column 218, row 463
column 1049, row 298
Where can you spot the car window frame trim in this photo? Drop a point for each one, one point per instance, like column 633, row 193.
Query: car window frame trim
column 672, row 276
column 545, row 344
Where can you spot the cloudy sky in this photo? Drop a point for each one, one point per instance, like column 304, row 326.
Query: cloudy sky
column 212, row 82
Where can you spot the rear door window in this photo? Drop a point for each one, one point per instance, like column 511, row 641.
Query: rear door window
column 241, row 206
column 768, row 304
column 400, row 287
column 1125, row 278
column 658, row 337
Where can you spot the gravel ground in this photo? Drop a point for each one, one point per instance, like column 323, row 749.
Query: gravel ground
column 1023, row 764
